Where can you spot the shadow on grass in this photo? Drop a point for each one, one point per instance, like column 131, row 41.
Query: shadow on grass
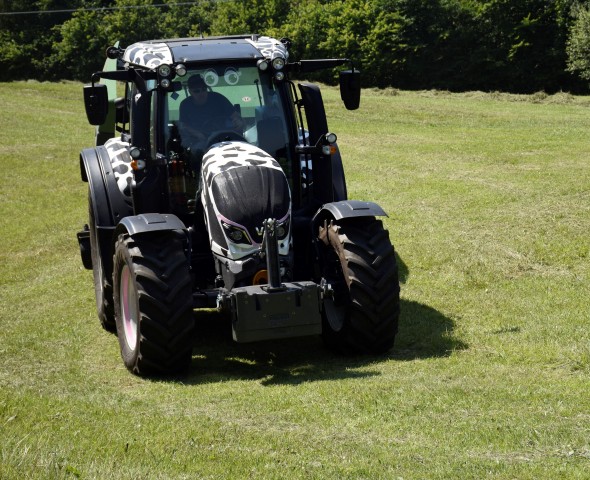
column 402, row 269
column 423, row 333
column 217, row 358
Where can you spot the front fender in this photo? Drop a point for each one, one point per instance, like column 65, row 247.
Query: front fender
column 347, row 209
column 149, row 223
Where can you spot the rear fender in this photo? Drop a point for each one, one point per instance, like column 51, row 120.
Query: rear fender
column 106, row 200
column 96, row 169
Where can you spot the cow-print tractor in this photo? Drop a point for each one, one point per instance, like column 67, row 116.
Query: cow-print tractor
column 216, row 184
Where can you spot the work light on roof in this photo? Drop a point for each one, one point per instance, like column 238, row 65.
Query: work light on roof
column 262, row 65
column 231, row 76
column 164, row 70
column 180, row 70
column 278, row 63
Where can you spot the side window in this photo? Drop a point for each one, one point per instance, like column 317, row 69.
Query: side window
column 154, row 124
column 129, row 93
column 173, row 101
column 171, row 119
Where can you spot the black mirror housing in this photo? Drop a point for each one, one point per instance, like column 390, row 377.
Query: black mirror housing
column 350, row 88
column 96, row 101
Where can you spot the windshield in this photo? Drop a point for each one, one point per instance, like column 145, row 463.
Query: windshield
column 237, row 101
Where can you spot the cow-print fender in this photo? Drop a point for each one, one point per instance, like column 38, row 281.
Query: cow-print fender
column 121, row 164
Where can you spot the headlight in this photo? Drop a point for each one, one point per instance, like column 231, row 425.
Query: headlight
column 236, row 234
column 331, row 137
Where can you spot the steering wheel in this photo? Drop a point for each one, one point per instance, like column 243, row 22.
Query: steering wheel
column 213, row 123
column 224, row 136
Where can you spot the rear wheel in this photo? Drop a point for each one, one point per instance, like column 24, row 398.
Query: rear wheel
column 103, row 287
column 359, row 263
column 153, row 303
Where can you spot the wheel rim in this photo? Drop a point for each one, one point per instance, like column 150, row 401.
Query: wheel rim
column 335, row 314
column 129, row 310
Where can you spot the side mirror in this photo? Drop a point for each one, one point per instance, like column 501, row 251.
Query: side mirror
column 96, row 101
column 350, row 88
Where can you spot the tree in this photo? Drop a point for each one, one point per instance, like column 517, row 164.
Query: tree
column 578, row 45
column 510, row 45
column 249, row 16
column 523, row 44
column 80, row 49
column 27, row 38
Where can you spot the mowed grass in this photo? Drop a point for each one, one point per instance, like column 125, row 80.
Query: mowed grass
column 488, row 198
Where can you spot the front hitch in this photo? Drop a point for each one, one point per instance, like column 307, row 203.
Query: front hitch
column 270, row 247
column 277, row 309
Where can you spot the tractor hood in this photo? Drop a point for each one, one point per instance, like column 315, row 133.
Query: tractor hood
column 242, row 187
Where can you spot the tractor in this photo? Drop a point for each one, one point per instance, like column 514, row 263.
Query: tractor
column 241, row 207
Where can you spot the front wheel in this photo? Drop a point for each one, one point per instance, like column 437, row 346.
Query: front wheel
column 153, row 303
column 359, row 263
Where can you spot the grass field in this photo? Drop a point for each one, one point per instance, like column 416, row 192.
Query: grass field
column 488, row 198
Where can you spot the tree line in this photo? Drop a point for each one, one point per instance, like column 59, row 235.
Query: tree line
column 508, row 45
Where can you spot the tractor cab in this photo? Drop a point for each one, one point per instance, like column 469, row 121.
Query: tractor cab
column 251, row 74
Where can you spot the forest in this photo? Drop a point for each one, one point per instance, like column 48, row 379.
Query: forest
column 520, row 46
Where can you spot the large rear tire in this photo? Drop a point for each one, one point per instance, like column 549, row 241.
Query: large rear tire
column 359, row 263
column 153, row 303
column 103, row 287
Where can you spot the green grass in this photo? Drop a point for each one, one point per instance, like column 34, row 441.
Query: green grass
column 488, row 198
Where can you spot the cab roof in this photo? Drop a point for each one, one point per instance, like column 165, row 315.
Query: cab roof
column 185, row 50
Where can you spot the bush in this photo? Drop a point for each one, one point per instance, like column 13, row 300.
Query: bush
column 509, row 45
column 578, row 46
